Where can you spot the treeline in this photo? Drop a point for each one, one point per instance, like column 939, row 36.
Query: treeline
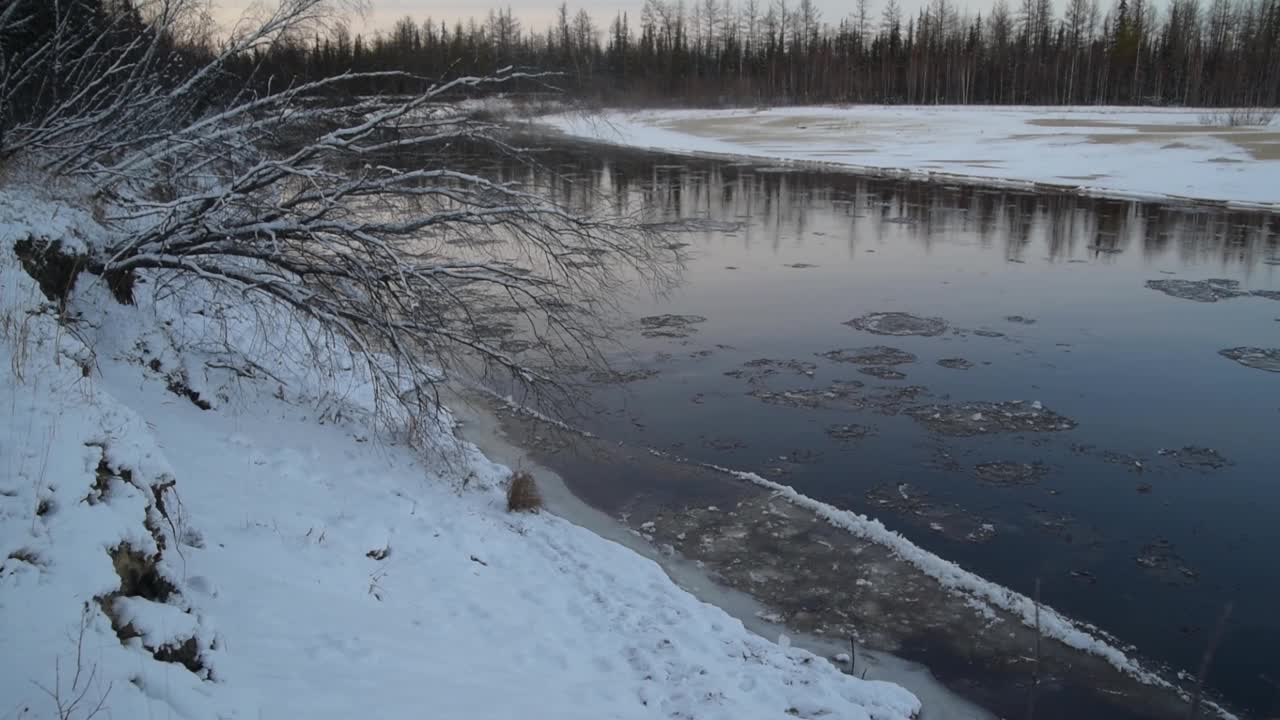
column 743, row 52
column 65, row 57
column 756, row 51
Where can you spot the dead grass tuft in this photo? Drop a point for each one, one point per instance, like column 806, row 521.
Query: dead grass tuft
column 522, row 493
column 1239, row 117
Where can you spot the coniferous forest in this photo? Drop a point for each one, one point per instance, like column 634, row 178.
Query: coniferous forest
column 742, row 52
column 1223, row 53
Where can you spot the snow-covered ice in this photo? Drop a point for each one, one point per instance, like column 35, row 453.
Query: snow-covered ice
column 254, row 531
column 1129, row 152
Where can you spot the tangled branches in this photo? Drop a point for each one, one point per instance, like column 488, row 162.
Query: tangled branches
column 337, row 211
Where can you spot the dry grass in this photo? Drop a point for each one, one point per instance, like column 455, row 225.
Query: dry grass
column 522, row 493
column 17, row 332
column 1239, row 117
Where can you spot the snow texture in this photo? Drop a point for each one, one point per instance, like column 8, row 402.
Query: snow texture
column 1113, row 151
column 286, row 559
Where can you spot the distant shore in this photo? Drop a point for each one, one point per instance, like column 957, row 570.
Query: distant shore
column 1177, row 155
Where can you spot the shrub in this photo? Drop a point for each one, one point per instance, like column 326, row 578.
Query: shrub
column 522, row 493
column 1239, row 117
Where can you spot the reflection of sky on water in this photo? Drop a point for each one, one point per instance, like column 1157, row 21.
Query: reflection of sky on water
column 1138, row 370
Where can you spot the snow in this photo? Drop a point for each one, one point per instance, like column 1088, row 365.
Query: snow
column 1114, row 151
column 261, row 521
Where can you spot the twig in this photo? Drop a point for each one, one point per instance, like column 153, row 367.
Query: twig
column 66, row 706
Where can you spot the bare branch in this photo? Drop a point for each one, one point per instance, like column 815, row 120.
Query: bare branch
column 338, row 213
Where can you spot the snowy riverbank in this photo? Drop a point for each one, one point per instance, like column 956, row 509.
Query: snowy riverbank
column 1125, row 152
column 735, row 533
column 198, row 524
column 479, row 425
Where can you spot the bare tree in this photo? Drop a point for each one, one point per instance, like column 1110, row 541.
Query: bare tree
column 333, row 212
column 75, row 702
column 808, row 17
column 710, row 12
column 890, row 17
column 862, row 12
column 751, row 15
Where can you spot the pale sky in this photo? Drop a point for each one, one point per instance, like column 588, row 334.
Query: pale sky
column 537, row 15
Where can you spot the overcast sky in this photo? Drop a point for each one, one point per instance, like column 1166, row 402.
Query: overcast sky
column 538, row 15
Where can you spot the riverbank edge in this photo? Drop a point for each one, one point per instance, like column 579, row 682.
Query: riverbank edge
column 478, row 414
column 481, row 427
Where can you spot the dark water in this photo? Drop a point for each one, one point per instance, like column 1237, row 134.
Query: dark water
column 1151, row 554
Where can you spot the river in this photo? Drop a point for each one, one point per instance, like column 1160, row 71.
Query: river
column 1031, row 385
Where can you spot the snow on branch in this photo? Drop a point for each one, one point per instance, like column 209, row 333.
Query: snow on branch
column 339, row 210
